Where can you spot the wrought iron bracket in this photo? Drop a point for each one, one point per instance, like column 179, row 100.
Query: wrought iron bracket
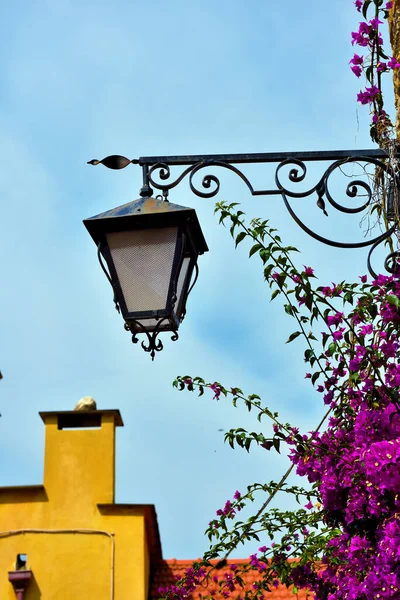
column 290, row 169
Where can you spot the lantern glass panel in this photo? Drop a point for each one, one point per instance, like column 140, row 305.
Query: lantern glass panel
column 151, row 324
column 143, row 260
column 181, row 287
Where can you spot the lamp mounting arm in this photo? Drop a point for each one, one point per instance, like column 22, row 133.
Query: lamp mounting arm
column 376, row 182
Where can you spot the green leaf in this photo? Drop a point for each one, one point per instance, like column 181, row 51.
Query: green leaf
column 393, row 300
column 369, row 73
column 293, row 336
column 255, row 249
column 265, row 255
column 240, row 237
column 308, row 354
column 365, row 8
column 332, row 348
column 315, row 377
column 281, row 279
column 275, row 294
column 348, row 297
column 267, row 270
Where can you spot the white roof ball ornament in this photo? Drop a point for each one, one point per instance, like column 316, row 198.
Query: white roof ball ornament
column 86, row 403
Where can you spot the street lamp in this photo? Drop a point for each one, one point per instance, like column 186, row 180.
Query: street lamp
column 151, row 246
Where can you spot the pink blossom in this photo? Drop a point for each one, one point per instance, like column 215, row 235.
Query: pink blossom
column 369, row 95
column 375, row 23
column 356, row 60
column 393, row 63
column 356, row 70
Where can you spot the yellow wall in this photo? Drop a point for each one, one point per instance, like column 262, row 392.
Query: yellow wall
column 78, row 494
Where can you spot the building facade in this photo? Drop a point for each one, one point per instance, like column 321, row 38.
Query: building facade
column 66, row 539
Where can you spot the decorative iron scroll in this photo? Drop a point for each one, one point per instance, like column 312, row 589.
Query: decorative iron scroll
column 154, row 344
column 157, row 174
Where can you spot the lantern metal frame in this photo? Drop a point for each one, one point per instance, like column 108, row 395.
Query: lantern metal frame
column 157, row 174
column 149, row 214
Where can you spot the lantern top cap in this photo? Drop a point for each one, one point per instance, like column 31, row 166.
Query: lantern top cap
column 145, row 212
column 143, row 206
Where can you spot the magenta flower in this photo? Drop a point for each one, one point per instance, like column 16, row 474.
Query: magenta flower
column 216, row 389
column 356, row 60
column 393, row 64
column 366, row 329
column 356, row 70
column 326, row 291
column 369, row 95
column 381, row 66
column 308, row 270
column 388, row 5
column 228, row 510
column 358, row 39
column 335, row 319
column 362, row 98
column 309, row 505
column 363, row 28
column 237, row 495
column 354, row 364
column 337, row 335
column 375, row 23
column 381, row 116
column 363, row 278
column 358, row 4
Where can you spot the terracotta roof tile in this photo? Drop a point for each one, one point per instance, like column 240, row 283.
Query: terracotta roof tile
column 165, row 573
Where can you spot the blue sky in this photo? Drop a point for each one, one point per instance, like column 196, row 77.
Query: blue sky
column 82, row 80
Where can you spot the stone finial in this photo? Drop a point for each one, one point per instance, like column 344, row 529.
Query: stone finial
column 86, row 403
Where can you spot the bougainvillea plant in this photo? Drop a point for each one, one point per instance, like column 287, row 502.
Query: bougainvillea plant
column 373, row 62
column 345, row 535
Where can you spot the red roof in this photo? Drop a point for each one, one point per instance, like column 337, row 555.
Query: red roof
column 165, row 573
